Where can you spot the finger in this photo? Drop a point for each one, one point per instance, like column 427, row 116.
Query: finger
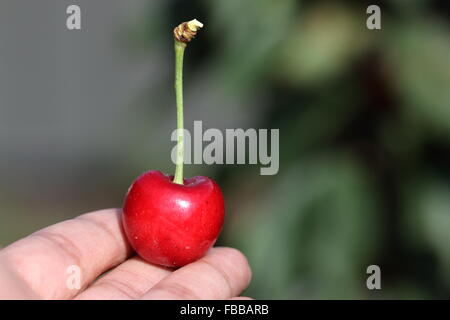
column 12, row 287
column 94, row 242
column 241, row 298
column 223, row 273
column 130, row 280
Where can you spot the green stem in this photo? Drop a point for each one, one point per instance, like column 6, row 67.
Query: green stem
column 179, row 54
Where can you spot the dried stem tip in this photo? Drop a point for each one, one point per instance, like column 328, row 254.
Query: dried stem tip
column 187, row 31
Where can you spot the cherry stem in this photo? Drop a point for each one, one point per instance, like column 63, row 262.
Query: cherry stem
column 179, row 55
column 183, row 34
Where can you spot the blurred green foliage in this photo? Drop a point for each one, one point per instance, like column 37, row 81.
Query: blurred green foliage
column 364, row 121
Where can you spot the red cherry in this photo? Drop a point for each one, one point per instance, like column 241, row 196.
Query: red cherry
column 172, row 224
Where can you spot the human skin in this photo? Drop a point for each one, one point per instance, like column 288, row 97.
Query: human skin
column 35, row 267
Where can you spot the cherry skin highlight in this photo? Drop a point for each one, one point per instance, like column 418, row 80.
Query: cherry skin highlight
column 172, row 224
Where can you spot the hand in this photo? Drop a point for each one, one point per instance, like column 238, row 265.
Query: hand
column 36, row 267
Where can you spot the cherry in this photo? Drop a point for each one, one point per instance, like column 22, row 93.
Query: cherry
column 172, row 224
column 169, row 220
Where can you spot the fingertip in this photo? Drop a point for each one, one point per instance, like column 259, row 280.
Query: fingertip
column 242, row 298
column 236, row 259
column 222, row 274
